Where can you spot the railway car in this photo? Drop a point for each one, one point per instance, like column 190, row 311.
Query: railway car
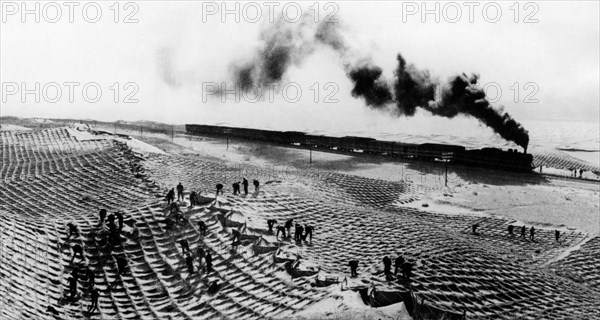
column 323, row 142
column 381, row 147
column 287, row 137
column 433, row 151
column 244, row 133
column 263, row 135
column 331, row 143
column 487, row 157
column 350, row 143
column 404, row 150
column 374, row 147
column 314, row 141
column 294, row 137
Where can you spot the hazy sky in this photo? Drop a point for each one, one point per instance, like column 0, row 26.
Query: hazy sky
column 554, row 60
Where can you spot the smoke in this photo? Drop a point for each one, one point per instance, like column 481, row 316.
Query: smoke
column 464, row 97
column 165, row 67
column 329, row 35
column 369, row 85
column 284, row 45
column 412, row 88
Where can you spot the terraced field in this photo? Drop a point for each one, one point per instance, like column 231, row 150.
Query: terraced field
column 50, row 179
column 561, row 160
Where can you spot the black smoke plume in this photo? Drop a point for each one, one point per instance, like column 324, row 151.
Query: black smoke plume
column 284, row 45
column 412, row 88
column 367, row 84
column 463, row 96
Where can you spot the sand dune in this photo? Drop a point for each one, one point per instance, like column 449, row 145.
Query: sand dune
column 50, row 177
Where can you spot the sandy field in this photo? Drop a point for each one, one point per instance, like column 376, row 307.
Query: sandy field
column 361, row 207
column 541, row 200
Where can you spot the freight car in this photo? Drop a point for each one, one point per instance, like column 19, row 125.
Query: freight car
column 405, row 150
column 290, row 137
column 355, row 144
column 323, row 142
column 433, row 151
column 486, row 157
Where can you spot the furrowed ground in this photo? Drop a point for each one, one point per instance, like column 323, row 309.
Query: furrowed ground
column 50, row 178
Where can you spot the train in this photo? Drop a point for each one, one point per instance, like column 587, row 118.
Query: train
column 492, row 158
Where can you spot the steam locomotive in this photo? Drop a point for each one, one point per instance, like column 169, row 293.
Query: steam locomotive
column 487, row 157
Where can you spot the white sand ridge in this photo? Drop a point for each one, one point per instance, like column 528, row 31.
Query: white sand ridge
column 456, row 270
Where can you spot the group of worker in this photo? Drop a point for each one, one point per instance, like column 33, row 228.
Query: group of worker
column 244, row 183
column 112, row 227
column 580, row 173
column 201, row 254
column 574, row 172
column 170, row 197
column 511, row 229
column 174, row 216
column 400, row 264
column 301, row 233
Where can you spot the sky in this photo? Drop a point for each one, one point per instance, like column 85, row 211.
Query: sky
column 158, row 60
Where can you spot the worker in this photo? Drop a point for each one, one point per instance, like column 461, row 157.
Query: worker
column 200, row 253
column 102, row 215
column 256, row 185
column 387, row 267
column 208, row 260
column 214, row 287
column 185, row 246
column 245, row 184
column 180, row 192
column 72, row 230
column 170, row 196
column 510, row 230
column 193, row 198
column 77, row 250
column 73, row 287
column 308, row 232
column 288, row 226
column 271, row 223
column 202, row 227
column 120, row 219
column 282, row 230
column 121, row 264
column 353, row 268
column 89, row 273
column 299, row 232
column 398, row 264
column 406, row 270
column 189, row 261
column 94, row 295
